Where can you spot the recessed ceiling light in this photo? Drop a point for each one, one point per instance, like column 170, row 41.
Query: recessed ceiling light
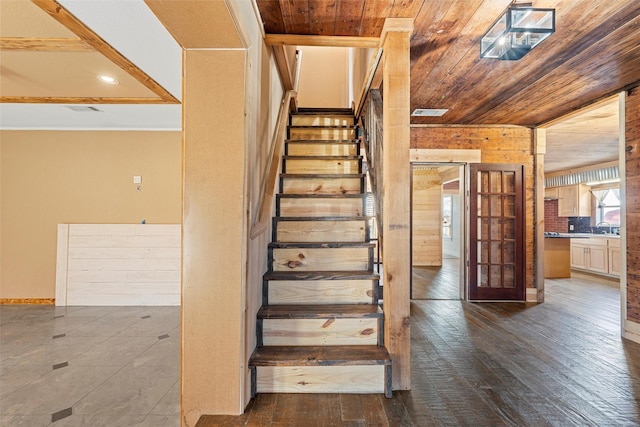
column 429, row 112
column 108, row 79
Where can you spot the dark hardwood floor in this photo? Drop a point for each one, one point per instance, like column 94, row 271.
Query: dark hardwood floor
column 437, row 282
column 561, row 363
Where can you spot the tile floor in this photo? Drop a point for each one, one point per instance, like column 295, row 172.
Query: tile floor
column 89, row 366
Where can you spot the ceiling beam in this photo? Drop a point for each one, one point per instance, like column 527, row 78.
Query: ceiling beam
column 60, row 14
column 324, row 41
column 78, row 100
column 36, row 44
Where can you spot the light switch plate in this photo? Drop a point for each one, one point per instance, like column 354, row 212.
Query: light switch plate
column 137, row 179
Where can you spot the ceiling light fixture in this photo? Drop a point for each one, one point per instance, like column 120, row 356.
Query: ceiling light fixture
column 520, row 28
column 108, row 79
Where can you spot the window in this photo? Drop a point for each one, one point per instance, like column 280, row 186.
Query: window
column 608, row 207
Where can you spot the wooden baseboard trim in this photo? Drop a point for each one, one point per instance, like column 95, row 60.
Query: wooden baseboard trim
column 41, row 301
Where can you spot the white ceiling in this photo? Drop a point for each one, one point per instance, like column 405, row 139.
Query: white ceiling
column 132, row 29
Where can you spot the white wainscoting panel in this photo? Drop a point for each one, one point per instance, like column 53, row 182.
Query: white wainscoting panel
column 118, row 264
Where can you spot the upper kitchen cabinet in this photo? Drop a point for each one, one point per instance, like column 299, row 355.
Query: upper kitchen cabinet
column 574, row 200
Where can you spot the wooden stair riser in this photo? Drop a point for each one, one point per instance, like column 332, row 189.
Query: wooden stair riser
column 321, row 185
column 307, row 292
column 321, row 259
column 333, row 331
column 356, row 230
column 321, row 120
column 321, row 379
column 293, row 165
column 321, row 149
column 320, row 207
column 310, row 133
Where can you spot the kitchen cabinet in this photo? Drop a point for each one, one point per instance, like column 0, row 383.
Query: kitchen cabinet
column 596, row 255
column 574, row 200
column 615, row 257
column 551, row 193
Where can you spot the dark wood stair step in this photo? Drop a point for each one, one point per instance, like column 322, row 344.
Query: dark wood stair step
column 323, row 245
column 320, row 355
column 328, row 311
column 321, row 275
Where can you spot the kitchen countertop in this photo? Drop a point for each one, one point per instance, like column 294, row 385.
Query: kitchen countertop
column 582, row 236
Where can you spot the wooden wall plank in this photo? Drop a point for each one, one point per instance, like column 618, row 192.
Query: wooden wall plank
column 100, row 264
column 426, row 218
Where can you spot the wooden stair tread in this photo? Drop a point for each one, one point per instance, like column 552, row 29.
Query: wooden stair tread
column 322, row 127
column 321, row 245
column 323, row 141
column 321, row 275
column 322, row 175
column 323, row 110
column 325, row 311
column 322, row 218
column 321, row 158
column 320, row 355
column 321, row 196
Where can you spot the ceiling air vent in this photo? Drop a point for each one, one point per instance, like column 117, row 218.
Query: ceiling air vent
column 83, row 109
column 429, row 112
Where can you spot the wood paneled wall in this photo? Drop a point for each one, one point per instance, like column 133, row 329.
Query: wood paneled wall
column 498, row 145
column 632, row 165
column 426, row 217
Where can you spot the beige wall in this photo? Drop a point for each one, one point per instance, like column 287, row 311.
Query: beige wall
column 361, row 60
column 324, row 77
column 52, row 177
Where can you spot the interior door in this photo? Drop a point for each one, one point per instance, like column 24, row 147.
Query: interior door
column 496, row 232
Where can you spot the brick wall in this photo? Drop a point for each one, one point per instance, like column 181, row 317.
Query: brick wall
column 633, row 203
column 553, row 222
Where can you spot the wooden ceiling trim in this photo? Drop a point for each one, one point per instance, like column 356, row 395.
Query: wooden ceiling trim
column 321, row 14
column 349, row 18
column 324, row 41
column 77, row 100
column 586, row 34
column 588, row 78
column 60, row 14
column 36, row 44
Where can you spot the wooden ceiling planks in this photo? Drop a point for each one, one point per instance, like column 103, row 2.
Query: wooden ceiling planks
column 295, row 14
column 349, row 17
column 375, row 12
column 594, row 53
column 322, row 17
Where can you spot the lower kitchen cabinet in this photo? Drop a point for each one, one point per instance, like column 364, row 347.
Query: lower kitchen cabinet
column 615, row 257
column 596, row 255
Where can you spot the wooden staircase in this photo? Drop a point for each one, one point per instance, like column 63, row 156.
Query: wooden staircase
column 320, row 328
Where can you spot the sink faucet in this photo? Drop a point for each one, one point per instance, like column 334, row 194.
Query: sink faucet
column 604, row 223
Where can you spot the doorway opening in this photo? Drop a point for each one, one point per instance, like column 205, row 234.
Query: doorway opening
column 438, row 231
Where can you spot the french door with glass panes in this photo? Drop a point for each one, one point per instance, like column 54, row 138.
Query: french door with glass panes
column 496, row 232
